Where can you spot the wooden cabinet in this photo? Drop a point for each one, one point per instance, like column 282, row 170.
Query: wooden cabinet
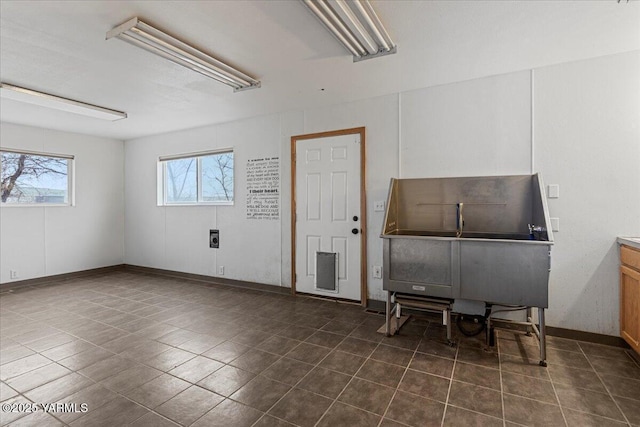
column 630, row 296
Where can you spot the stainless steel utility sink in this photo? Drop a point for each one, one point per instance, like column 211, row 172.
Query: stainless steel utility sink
column 476, row 238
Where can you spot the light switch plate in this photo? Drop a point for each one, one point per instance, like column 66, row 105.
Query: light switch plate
column 555, row 224
column 553, row 191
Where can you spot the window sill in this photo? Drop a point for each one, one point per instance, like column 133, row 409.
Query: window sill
column 197, row 204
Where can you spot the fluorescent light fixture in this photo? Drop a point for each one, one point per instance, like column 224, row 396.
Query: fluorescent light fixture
column 149, row 38
column 31, row 96
column 355, row 24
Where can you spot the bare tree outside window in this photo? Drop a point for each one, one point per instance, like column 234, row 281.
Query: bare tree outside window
column 33, row 179
column 202, row 179
column 182, row 181
column 217, row 177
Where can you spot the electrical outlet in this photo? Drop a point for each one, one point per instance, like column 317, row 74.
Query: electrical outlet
column 221, row 270
column 378, row 206
column 377, row 272
column 13, row 274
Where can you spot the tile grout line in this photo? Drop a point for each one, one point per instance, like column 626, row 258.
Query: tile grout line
column 502, row 392
column 453, row 370
column 406, row 369
column 529, row 376
column 114, row 354
column 497, row 341
column 575, row 410
column 94, row 382
column 605, row 386
column 22, row 394
column 592, row 369
column 153, row 410
column 350, row 380
column 555, row 393
column 344, row 337
column 395, row 391
column 255, row 376
column 317, row 365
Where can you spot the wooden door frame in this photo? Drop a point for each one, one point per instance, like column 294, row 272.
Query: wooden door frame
column 363, row 204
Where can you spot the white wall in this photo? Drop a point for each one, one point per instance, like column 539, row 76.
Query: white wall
column 473, row 128
column 581, row 124
column 43, row 241
column 177, row 237
column 587, row 140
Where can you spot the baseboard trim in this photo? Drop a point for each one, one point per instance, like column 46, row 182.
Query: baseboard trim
column 586, row 336
column 17, row 284
column 214, row 280
column 375, row 305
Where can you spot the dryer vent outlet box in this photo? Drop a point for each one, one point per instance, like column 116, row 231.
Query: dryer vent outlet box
column 214, row 239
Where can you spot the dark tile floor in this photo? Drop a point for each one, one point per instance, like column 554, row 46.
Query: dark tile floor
column 125, row 348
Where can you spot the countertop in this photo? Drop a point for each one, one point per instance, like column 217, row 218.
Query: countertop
column 630, row 241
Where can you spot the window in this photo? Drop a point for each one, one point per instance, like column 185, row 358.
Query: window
column 204, row 178
column 35, row 178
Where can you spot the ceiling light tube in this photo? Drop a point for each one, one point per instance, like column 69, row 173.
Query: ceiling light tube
column 374, row 23
column 42, row 99
column 146, row 32
column 357, row 29
column 206, row 72
column 356, row 25
column 324, row 16
column 149, row 42
column 374, row 16
column 338, row 24
column 155, row 41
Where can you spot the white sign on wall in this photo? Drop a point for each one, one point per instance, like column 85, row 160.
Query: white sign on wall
column 263, row 188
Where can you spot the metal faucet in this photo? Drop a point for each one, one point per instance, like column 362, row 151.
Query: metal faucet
column 535, row 231
column 460, row 219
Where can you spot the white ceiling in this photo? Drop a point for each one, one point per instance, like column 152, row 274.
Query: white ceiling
column 59, row 47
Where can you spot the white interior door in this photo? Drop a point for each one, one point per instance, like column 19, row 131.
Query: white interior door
column 328, row 216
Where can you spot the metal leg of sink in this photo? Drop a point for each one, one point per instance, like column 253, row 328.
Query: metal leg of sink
column 446, row 314
column 542, row 337
column 487, row 315
column 387, row 314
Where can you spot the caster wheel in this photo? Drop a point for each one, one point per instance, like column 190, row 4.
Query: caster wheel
column 543, row 363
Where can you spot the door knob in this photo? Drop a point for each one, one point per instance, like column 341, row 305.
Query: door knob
column 355, row 218
column 355, row 231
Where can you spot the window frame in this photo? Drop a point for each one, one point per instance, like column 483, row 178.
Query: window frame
column 162, row 190
column 70, row 158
